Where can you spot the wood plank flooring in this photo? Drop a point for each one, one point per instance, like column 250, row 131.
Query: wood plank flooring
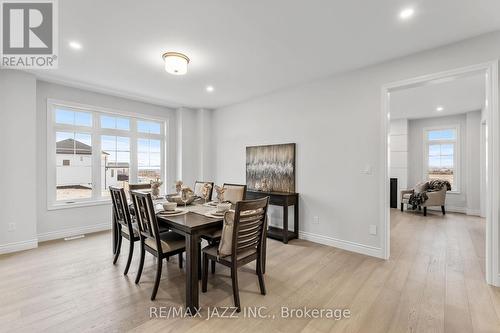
column 434, row 282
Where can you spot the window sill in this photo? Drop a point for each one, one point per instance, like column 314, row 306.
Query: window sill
column 453, row 192
column 78, row 204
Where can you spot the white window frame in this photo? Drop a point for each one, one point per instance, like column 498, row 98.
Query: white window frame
column 96, row 132
column 456, row 153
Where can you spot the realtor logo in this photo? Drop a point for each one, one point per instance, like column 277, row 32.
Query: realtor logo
column 29, row 34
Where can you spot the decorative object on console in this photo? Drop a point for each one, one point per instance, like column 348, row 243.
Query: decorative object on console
column 271, row 168
column 155, row 187
column 220, row 193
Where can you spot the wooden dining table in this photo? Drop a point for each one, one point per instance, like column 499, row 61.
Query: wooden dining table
column 191, row 225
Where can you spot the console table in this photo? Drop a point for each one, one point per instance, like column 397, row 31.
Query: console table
column 284, row 200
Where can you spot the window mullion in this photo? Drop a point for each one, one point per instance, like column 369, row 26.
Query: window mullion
column 96, row 159
column 133, row 171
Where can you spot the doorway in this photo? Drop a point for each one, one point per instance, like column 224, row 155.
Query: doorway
column 450, row 141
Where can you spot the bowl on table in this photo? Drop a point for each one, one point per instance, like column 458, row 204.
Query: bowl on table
column 169, row 206
column 223, row 207
column 177, row 199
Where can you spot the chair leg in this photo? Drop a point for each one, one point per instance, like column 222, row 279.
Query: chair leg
column 402, row 206
column 236, row 292
column 442, row 209
column 425, row 211
column 157, row 280
column 199, row 261
column 180, row 260
column 118, row 248
column 141, row 264
column 130, row 253
column 204, row 275
column 260, row 274
column 212, row 264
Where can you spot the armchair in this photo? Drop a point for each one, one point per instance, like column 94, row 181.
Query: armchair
column 434, row 198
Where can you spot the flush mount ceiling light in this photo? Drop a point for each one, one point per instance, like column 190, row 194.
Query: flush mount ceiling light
column 175, row 63
column 439, row 109
column 406, row 13
column 210, row 88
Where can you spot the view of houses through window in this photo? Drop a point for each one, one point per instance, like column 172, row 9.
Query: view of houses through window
column 125, row 149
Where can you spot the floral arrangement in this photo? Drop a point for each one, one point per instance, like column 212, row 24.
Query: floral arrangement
column 155, row 187
column 220, row 193
column 178, row 186
column 205, row 191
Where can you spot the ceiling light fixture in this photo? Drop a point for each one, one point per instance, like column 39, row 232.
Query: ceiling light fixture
column 439, row 109
column 406, row 13
column 75, row 45
column 175, row 63
column 210, row 88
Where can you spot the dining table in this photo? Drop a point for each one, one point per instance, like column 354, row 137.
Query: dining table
column 194, row 222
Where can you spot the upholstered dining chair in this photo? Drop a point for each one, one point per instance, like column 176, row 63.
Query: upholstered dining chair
column 160, row 245
column 198, row 188
column 243, row 241
column 233, row 194
column 125, row 227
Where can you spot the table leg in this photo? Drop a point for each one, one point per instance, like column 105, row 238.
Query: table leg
column 192, row 293
column 296, row 218
column 285, row 224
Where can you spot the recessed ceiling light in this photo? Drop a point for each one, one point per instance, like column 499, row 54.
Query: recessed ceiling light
column 439, row 109
column 210, row 88
column 75, row 45
column 406, row 13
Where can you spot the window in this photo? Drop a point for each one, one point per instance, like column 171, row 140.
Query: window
column 115, row 156
column 149, row 160
column 93, row 149
column 75, row 181
column 441, row 149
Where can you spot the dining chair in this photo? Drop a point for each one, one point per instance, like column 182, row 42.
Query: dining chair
column 125, row 227
column 233, row 193
column 160, row 245
column 198, row 186
column 243, row 241
column 140, row 187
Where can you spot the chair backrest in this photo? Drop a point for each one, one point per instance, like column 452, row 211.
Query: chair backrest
column 234, row 192
column 140, row 187
column 250, row 222
column 145, row 215
column 198, row 186
column 120, row 207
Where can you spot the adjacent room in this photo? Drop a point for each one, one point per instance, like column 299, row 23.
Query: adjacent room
column 242, row 166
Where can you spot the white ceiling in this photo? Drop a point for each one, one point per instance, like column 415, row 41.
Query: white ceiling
column 457, row 96
column 247, row 48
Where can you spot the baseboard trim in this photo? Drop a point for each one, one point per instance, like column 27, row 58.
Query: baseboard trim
column 473, row 212
column 69, row 232
column 19, row 246
column 342, row 244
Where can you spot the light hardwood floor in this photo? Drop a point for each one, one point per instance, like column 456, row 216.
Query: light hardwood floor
column 434, row 282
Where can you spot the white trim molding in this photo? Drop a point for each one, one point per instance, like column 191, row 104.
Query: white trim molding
column 342, row 244
column 490, row 72
column 70, row 232
column 19, row 246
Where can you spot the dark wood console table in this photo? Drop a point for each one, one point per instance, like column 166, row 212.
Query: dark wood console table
column 284, row 200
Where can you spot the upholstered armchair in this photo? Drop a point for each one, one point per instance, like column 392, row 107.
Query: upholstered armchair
column 435, row 198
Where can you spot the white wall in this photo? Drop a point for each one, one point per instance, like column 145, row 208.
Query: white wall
column 473, row 163
column 336, row 125
column 467, row 200
column 398, row 156
column 54, row 223
column 18, row 165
